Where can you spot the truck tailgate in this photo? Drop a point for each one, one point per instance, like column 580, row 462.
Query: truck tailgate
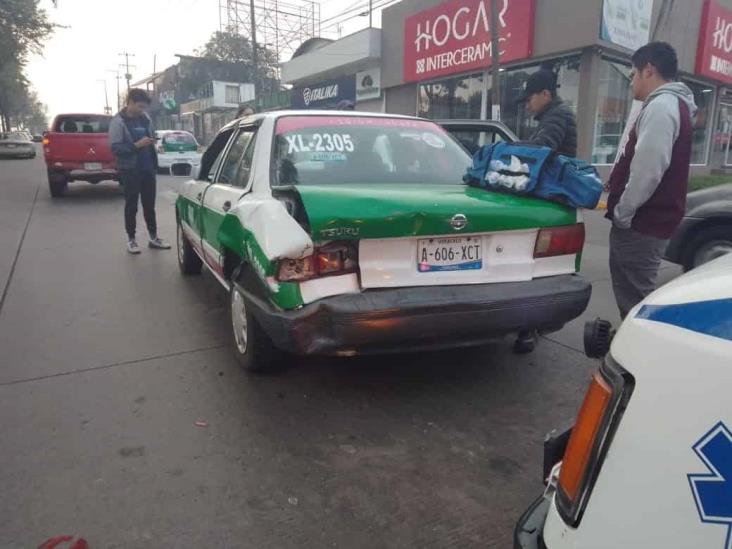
column 78, row 147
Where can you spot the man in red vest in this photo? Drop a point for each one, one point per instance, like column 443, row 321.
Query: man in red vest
column 649, row 181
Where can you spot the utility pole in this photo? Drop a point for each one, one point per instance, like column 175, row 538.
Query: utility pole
column 371, row 12
column 495, row 63
column 254, row 47
column 128, row 76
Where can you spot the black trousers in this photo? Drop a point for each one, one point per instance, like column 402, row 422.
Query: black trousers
column 139, row 186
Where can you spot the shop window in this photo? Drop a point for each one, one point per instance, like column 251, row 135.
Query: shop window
column 704, row 99
column 614, row 101
column 462, row 97
column 515, row 115
column 452, row 98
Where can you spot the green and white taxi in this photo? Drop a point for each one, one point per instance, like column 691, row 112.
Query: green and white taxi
column 177, row 147
column 344, row 233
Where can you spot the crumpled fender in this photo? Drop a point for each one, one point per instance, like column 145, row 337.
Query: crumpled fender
column 275, row 231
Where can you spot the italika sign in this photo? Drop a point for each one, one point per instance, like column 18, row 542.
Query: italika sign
column 325, row 95
column 456, row 37
column 714, row 52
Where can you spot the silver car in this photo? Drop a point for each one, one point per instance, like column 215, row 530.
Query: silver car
column 17, row 145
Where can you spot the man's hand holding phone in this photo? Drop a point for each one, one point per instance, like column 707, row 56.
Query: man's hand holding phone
column 144, row 142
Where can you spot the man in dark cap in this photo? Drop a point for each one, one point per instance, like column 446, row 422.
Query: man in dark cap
column 557, row 130
column 557, row 123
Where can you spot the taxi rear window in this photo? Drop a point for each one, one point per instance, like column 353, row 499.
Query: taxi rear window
column 350, row 149
column 179, row 138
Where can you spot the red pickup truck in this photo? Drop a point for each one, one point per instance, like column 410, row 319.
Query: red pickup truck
column 76, row 148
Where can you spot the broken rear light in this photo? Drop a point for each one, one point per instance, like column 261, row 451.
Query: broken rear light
column 556, row 241
column 335, row 258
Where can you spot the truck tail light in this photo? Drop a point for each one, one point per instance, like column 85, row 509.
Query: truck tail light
column 335, row 258
column 555, row 241
column 45, row 141
column 597, row 421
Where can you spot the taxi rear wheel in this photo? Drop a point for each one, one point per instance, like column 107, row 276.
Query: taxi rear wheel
column 188, row 261
column 253, row 349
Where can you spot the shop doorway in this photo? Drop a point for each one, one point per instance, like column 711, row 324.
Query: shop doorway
column 722, row 139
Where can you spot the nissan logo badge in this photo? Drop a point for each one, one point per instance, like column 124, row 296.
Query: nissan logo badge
column 458, row 221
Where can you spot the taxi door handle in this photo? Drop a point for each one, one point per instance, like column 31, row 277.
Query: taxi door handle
column 227, row 206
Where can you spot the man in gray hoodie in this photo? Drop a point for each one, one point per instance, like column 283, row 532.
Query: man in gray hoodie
column 649, row 180
column 132, row 141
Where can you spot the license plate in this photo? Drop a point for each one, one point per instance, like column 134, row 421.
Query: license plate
column 92, row 165
column 449, row 254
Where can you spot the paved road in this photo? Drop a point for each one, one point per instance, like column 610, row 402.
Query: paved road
column 108, row 361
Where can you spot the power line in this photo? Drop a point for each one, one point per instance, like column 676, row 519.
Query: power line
column 384, row 4
column 358, row 5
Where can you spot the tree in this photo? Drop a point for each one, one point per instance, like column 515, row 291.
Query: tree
column 33, row 114
column 231, row 47
column 23, row 28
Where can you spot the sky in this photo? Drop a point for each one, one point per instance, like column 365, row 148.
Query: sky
column 79, row 58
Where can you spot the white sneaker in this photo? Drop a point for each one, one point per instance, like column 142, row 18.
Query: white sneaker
column 132, row 247
column 158, row 244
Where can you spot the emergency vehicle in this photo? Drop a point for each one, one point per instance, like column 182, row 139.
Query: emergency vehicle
column 648, row 463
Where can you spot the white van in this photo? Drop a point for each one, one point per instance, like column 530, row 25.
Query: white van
column 648, row 463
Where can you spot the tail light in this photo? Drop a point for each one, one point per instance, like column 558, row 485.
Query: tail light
column 597, row 421
column 199, row 148
column 555, row 241
column 335, row 258
column 45, row 140
column 161, row 150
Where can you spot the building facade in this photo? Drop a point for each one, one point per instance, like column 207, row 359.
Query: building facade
column 434, row 61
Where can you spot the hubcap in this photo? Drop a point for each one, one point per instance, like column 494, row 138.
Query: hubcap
column 712, row 250
column 181, row 252
column 239, row 321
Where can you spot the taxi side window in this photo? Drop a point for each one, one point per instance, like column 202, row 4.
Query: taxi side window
column 212, row 157
column 247, row 161
column 475, row 139
column 230, row 166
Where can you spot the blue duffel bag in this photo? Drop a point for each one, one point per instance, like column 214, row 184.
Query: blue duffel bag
column 542, row 173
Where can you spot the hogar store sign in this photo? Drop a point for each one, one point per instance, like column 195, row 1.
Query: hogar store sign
column 714, row 53
column 456, row 37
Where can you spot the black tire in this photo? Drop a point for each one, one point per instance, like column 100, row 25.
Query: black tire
column 57, row 184
column 707, row 244
column 252, row 348
column 188, row 261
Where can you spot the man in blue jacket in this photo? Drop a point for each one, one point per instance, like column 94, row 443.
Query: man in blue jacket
column 132, row 141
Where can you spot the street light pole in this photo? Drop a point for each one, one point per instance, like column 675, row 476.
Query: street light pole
column 116, row 73
column 252, row 17
column 495, row 63
column 107, row 109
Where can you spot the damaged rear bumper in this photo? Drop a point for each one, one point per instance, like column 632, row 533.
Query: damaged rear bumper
column 423, row 318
